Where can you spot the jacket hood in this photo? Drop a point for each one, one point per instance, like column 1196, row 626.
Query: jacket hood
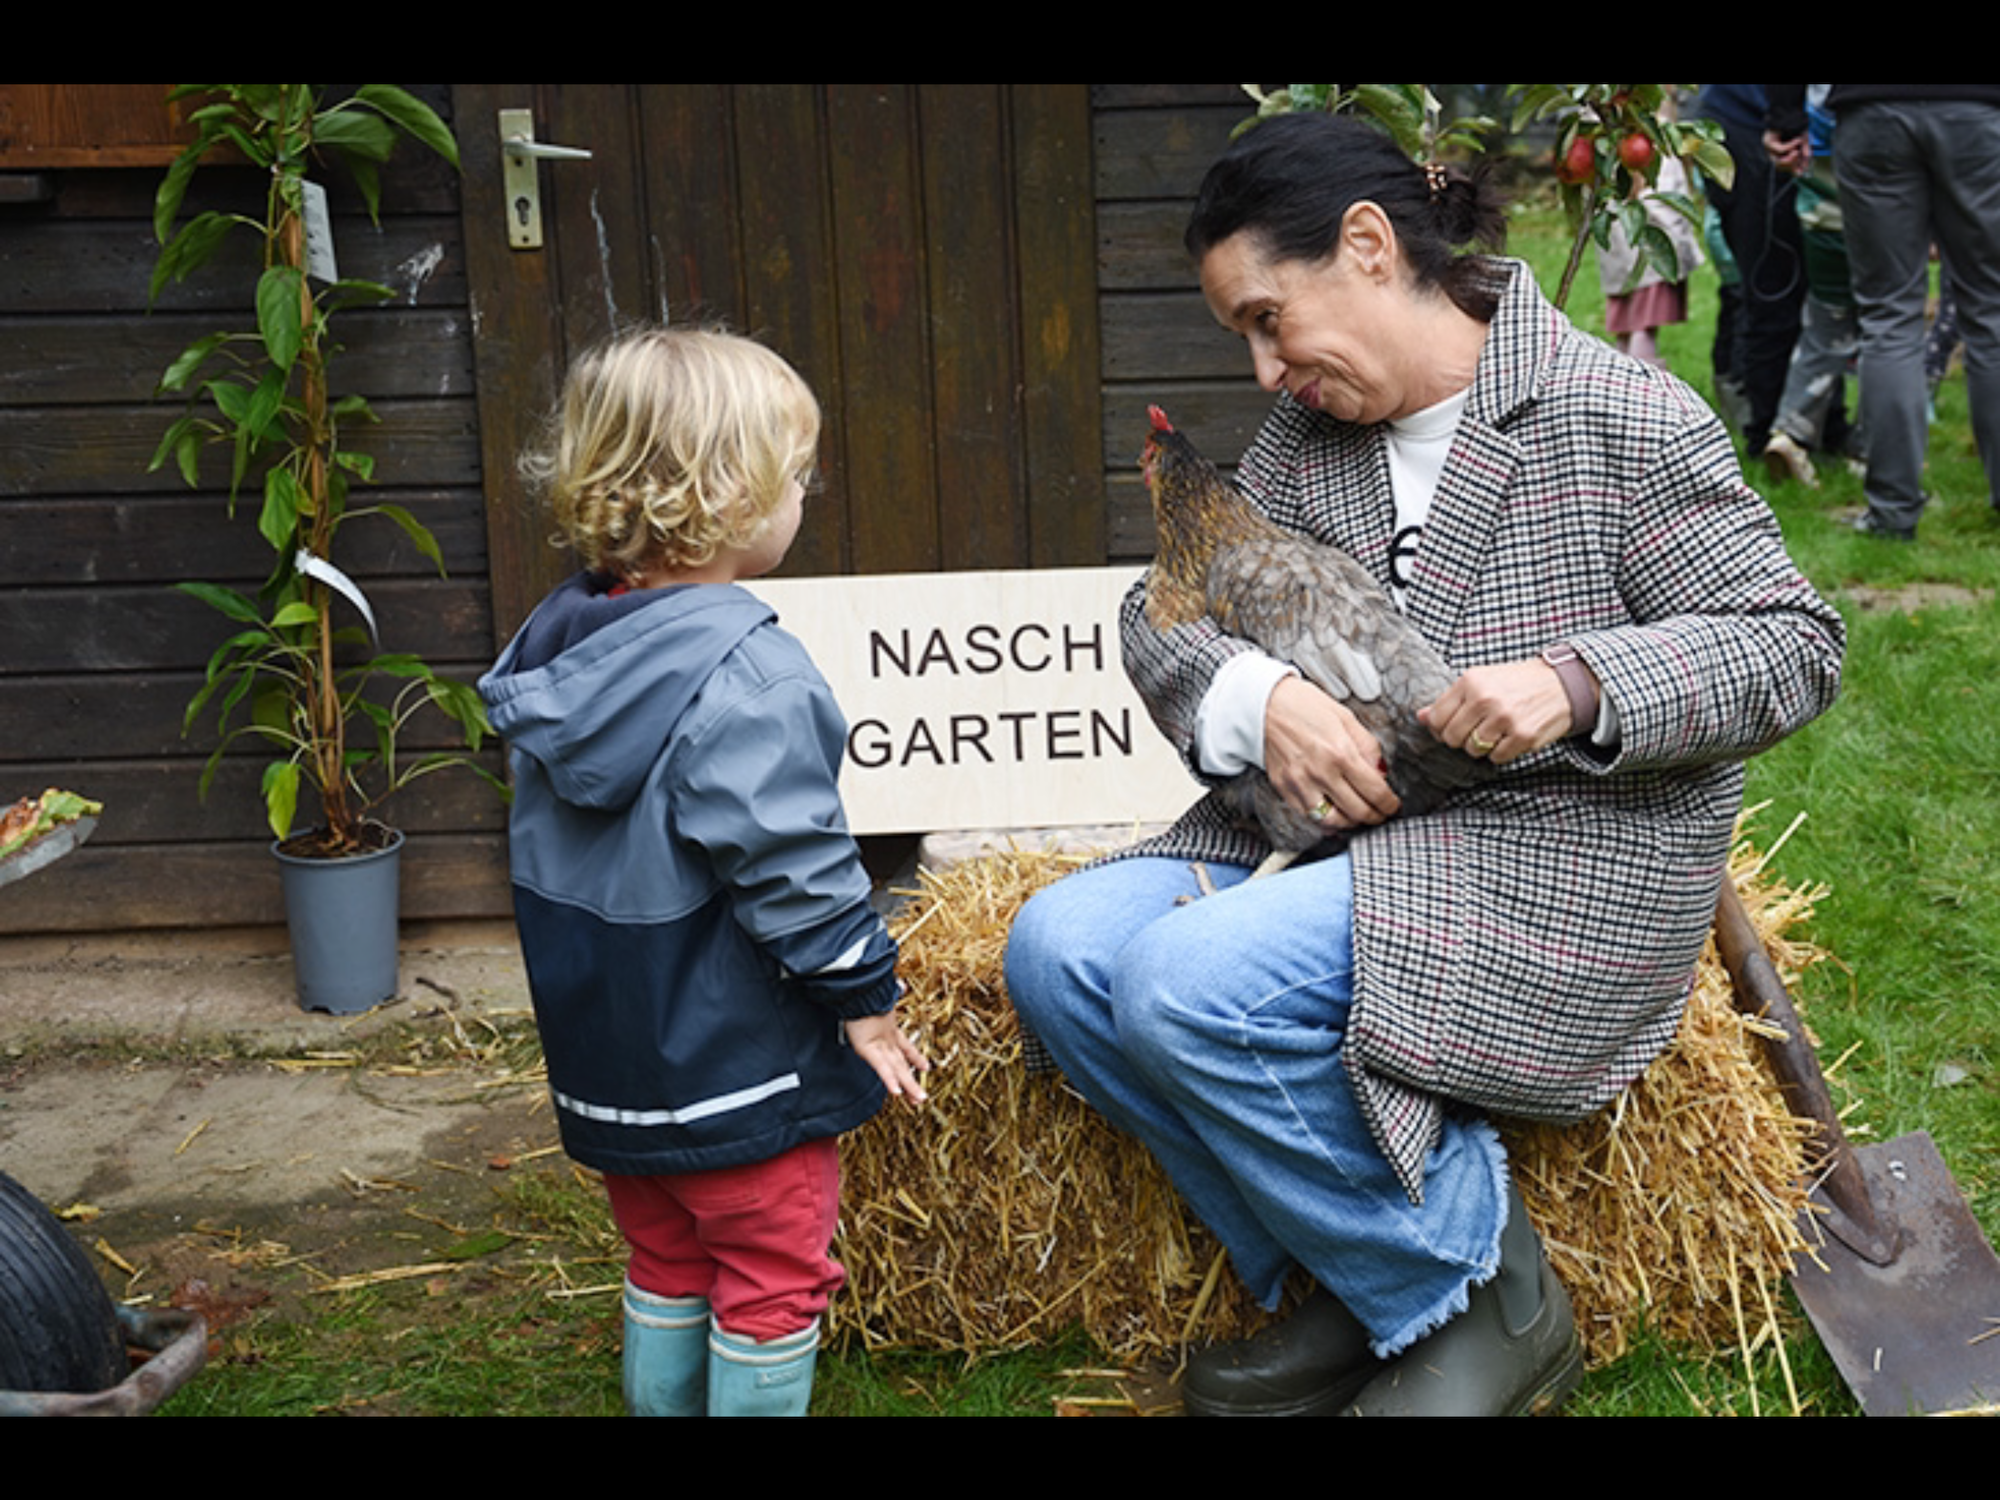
column 593, row 684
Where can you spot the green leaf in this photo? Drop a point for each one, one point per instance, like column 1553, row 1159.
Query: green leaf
column 488, row 1243
column 417, row 532
column 1392, row 105
column 465, row 706
column 228, row 601
column 188, row 250
column 271, row 712
column 368, row 180
column 173, row 188
column 231, row 398
column 1716, row 164
column 170, row 443
column 413, row 115
column 281, row 795
column 349, row 292
column 280, row 320
column 355, row 132
column 189, row 360
column 279, row 519
column 187, row 454
column 399, row 664
column 261, row 412
column 265, row 99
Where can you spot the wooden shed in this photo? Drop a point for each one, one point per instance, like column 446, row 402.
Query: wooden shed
column 984, row 283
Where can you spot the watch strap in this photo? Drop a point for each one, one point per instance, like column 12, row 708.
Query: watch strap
column 1578, row 684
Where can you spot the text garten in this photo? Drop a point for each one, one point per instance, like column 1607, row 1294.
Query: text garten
column 987, row 736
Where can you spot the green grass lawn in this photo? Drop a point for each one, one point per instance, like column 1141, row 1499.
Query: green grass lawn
column 1891, row 803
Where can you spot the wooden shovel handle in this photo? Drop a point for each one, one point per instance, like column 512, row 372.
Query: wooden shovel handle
column 1760, row 992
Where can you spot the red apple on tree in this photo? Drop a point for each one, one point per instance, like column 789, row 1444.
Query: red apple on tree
column 1637, row 153
column 1578, row 163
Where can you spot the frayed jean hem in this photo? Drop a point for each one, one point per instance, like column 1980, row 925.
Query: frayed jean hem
column 1455, row 1301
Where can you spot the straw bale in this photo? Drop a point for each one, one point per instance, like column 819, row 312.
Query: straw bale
column 1679, row 1205
column 1006, row 1212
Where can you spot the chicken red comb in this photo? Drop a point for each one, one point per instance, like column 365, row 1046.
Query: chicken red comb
column 1160, row 422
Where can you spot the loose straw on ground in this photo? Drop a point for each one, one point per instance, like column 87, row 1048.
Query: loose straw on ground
column 1006, row 1212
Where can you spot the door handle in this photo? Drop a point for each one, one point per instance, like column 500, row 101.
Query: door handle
column 520, row 175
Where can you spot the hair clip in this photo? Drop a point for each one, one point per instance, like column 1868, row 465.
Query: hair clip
column 1434, row 173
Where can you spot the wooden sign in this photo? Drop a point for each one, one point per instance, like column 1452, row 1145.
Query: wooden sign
column 984, row 700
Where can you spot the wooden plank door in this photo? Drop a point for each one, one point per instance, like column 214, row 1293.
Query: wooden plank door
column 925, row 254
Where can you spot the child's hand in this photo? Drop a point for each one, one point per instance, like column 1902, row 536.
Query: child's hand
column 880, row 1043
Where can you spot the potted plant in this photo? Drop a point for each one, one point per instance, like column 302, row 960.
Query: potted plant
column 290, row 666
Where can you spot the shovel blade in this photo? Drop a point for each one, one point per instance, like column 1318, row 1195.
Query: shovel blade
column 1907, row 1334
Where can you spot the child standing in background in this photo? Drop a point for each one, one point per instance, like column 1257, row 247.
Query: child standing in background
column 1635, row 310
column 713, row 988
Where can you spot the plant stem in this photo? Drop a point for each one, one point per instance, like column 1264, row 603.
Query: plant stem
column 329, row 722
column 1581, row 239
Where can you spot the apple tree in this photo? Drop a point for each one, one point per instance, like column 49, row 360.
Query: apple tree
column 1610, row 141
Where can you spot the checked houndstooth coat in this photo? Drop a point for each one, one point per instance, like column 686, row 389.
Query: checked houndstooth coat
column 1527, row 950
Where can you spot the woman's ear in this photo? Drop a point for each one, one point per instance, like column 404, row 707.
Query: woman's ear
column 1367, row 235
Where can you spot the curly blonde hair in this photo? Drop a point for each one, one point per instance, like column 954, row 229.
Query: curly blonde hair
column 670, row 445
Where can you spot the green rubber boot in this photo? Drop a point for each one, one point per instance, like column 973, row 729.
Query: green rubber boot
column 1309, row 1365
column 1514, row 1351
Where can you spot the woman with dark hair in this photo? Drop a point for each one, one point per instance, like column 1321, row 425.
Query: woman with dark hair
column 1314, row 1056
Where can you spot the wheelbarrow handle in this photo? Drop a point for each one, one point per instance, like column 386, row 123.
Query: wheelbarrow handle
column 1759, row 991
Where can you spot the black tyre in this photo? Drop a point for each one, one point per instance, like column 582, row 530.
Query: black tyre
column 58, row 1328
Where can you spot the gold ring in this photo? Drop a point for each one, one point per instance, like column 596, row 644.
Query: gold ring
column 1480, row 745
column 1322, row 809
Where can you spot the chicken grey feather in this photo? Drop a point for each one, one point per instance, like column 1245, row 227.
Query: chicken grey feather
column 1307, row 603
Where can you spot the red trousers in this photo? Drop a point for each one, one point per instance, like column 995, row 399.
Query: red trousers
column 754, row 1240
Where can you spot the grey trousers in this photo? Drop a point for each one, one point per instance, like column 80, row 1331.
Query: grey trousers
column 1914, row 174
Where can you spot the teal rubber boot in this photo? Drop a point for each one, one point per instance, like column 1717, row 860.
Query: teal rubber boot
column 666, row 1354
column 771, row 1379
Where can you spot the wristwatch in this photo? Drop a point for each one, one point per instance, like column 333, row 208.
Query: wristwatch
column 1577, row 683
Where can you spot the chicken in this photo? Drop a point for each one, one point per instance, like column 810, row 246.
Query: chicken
column 1302, row 602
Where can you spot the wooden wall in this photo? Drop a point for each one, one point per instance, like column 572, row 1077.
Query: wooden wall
column 922, row 253
column 1161, row 344
column 98, row 655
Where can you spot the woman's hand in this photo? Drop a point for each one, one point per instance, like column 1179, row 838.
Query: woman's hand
column 879, row 1042
column 1502, row 712
column 1321, row 759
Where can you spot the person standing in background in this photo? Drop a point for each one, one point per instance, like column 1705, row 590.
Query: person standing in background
column 1917, row 165
column 1760, row 223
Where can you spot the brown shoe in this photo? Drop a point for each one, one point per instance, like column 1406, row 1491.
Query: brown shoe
column 1309, row 1365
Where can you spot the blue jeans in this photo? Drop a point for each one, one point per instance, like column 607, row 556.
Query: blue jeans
column 1210, row 1029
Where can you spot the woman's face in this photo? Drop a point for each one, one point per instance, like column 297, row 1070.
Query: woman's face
column 1338, row 333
